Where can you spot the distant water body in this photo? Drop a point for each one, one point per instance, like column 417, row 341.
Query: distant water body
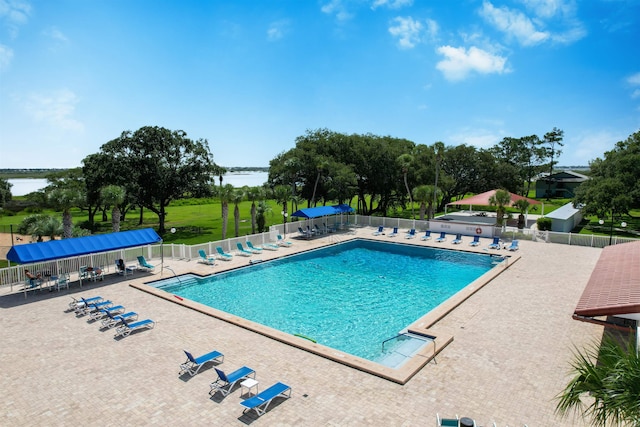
column 23, row 186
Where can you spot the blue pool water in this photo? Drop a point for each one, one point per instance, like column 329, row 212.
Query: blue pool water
column 351, row 296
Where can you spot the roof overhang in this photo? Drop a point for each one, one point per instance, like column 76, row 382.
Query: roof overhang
column 66, row 248
column 614, row 286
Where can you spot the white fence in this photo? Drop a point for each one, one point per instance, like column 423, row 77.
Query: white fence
column 14, row 276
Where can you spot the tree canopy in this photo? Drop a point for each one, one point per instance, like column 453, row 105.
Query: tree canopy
column 155, row 166
column 614, row 187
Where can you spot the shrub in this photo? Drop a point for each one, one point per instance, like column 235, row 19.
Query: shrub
column 544, row 224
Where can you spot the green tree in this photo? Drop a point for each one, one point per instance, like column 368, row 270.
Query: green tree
column 261, row 215
column 157, row 165
column 405, row 161
column 65, row 200
column 614, row 184
column 501, row 200
column 282, row 195
column 5, row 192
column 254, row 194
column 608, row 376
column 522, row 205
column 237, row 196
column 438, row 148
column 225, row 194
column 423, row 194
column 552, row 142
column 114, row 196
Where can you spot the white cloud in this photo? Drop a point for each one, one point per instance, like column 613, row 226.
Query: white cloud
column 407, row 30
column 514, row 24
column 460, row 62
column 587, row 146
column 337, row 8
column 14, row 13
column 55, row 34
column 479, row 138
column 634, row 81
column 277, row 30
column 545, row 8
column 391, row 4
column 55, row 109
column 6, row 55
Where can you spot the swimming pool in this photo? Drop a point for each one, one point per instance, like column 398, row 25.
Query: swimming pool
column 351, row 296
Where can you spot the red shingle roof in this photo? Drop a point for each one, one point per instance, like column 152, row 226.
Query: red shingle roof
column 614, row 286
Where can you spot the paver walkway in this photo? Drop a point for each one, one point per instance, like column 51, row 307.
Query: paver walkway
column 513, row 341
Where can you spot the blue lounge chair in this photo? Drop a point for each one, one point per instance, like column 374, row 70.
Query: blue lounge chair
column 193, row 365
column 205, row 259
column 304, row 233
column 99, row 314
column 75, row 303
column 427, row 235
column 448, row 422
column 270, row 247
column 379, row 231
column 329, row 229
column 224, row 384
column 222, row 254
column 144, row 265
column 411, row 234
column 513, row 246
column 475, row 242
column 394, row 233
column 125, row 328
column 495, row 244
column 254, row 249
column 89, row 308
column 457, row 240
column 113, row 319
column 442, row 238
column 317, row 229
column 242, row 251
column 281, row 242
column 260, row 402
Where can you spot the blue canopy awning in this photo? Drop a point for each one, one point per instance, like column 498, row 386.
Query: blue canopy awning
column 322, row 211
column 56, row 249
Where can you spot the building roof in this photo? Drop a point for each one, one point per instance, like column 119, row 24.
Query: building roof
column 482, row 199
column 614, row 286
column 564, row 176
column 563, row 212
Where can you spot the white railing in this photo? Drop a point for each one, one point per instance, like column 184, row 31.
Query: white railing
column 12, row 276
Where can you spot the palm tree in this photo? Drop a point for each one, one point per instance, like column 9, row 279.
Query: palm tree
column 254, row 194
column 236, row 197
column 261, row 212
column 423, row 194
column 225, row 193
column 609, row 376
column 282, row 196
column 65, row 199
column 321, row 166
column 405, row 161
column 523, row 206
column 113, row 195
column 438, row 147
column 501, row 199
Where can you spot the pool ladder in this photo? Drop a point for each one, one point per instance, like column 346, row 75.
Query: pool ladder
column 408, row 335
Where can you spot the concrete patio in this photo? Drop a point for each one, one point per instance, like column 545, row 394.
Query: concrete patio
column 513, row 341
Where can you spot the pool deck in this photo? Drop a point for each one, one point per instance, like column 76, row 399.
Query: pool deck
column 512, row 344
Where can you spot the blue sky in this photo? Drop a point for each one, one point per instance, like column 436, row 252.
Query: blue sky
column 251, row 76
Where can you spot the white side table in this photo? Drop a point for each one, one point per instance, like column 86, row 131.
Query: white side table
column 249, row 383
